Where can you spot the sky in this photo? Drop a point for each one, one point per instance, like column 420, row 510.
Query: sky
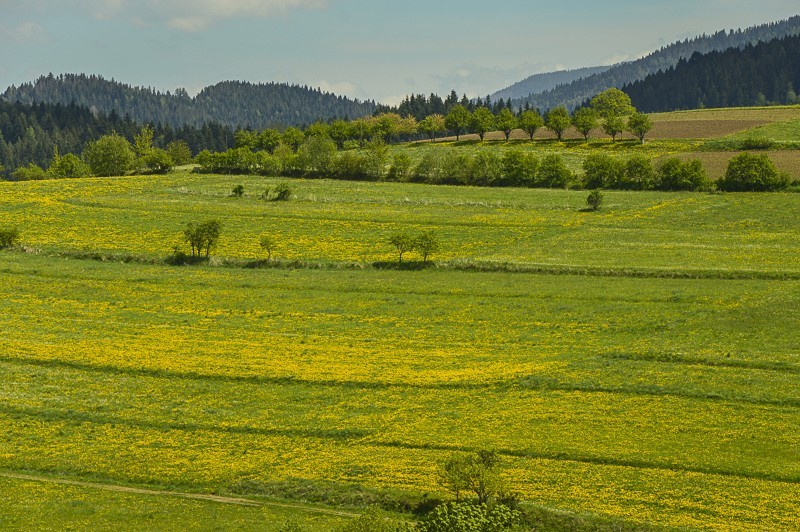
column 366, row 49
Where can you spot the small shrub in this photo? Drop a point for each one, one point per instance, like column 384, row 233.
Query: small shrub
column 468, row 516
column 595, row 200
column 282, row 192
column 9, row 237
column 238, row 191
column 32, row 172
column 753, row 143
column 602, row 171
column 674, row 174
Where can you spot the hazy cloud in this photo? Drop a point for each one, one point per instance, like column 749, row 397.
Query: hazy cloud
column 184, row 15
column 24, row 33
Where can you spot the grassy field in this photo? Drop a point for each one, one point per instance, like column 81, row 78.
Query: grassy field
column 659, row 387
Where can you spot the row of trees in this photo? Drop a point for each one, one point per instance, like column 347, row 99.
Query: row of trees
column 612, row 111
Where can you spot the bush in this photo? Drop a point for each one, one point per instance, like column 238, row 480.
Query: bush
column 157, row 161
column 401, row 167
column 595, row 200
column 487, row 169
column 638, row 174
column 69, row 166
column 350, row 165
column 31, row 172
column 430, row 169
column 757, row 173
column 674, row 174
column 457, row 517
column 180, row 153
column 602, row 171
column 373, row 520
column 110, row 155
column 519, row 168
column 238, row 191
column 553, row 173
column 456, row 169
column 9, row 237
column 753, row 143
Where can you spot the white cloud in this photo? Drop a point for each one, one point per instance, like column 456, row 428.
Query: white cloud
column 24, row 33
column 342, row 88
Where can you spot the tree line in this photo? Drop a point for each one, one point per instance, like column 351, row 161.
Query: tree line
column 764, row 74
column 230, row 103
column 573, row 95
column 30, row 134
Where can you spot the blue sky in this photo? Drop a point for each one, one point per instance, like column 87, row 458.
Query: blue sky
column 365, row 49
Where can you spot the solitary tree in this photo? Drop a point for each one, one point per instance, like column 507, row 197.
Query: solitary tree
column 558, row 120
column 458, row 119
column 110, row 155
column 268, row 244
column 427, row 243
column 478, row 473
column 639, row 124
column 595, row 200
column 585, row 120
column 612, row 102
column 482, row 122
column 403, row 242
column 507, row 122
column 748, row 172
column 530, row 121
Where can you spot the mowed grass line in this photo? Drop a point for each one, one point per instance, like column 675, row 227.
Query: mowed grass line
column 427, row 339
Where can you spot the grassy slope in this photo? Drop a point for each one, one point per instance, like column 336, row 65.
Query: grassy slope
column 659, row 400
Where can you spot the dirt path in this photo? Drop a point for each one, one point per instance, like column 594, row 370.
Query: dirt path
column 197, row 496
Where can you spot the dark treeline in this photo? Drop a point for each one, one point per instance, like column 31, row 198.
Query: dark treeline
column 31, row 133
column 573, row 95
column 767, row 73
column 420, row 106
column 231, row 103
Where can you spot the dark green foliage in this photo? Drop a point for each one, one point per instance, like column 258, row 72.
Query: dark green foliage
column 595, row 200
column 9, row 237
column 768, row 72
column 281, row 192
column 602, row 171
column 756, row 173
column 202, row 237
column 467, row 517
column 574, row 94
column 674, row 174
column 354, row 166
column 238, row 191
column 231, row 103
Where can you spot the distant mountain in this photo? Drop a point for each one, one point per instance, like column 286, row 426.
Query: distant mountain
column 230, row 103
column 577, row 92
column 767, row 73
column 544, row 82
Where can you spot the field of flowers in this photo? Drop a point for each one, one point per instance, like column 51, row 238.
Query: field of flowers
column 651, row 399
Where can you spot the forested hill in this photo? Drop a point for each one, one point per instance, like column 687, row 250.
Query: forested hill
column 576, row 93
column 543, row 82
column 31, row 133
column 767, row 73
column 230, row 103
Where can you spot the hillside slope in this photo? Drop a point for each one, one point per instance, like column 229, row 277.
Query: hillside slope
column 756, row 75
column 574, row 94
column 230, row 103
